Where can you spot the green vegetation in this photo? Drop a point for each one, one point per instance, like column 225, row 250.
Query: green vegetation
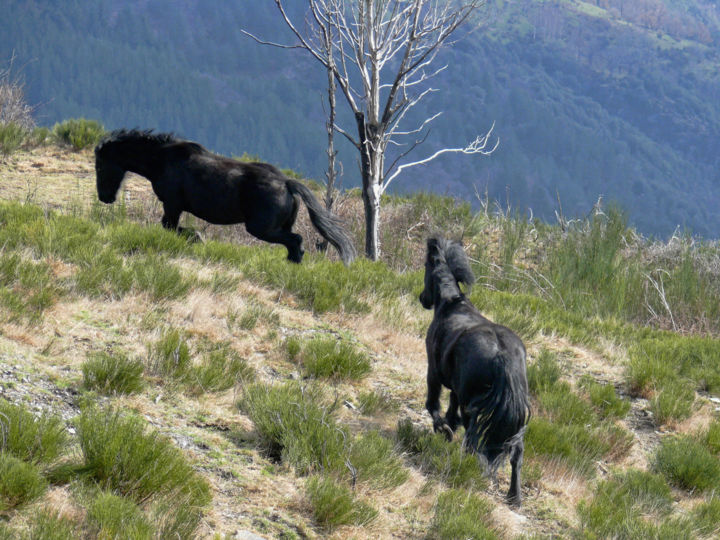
column 113, row 373
column 334, row 505
column 117, row 517
column 462, row 514
column 11, row 138
column 20, row 482
column 444, row 461
column 329, row 357
column 49, row 525
column 79, row 132
column 377, row 402
column 687, row 464
column 121, row 455
column 36, row 439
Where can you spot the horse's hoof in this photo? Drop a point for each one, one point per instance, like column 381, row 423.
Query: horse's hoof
column 514, row 499
column 445, row 429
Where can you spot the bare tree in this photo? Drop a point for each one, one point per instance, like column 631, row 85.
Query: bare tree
column 13, row 107
column 381, row 55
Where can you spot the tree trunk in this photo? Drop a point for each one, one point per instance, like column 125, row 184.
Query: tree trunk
column 370, row 190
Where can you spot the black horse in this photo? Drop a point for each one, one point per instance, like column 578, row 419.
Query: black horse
column 187, row 177
column 482, row 363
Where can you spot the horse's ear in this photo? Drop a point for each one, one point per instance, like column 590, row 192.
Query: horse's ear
column 459, row 264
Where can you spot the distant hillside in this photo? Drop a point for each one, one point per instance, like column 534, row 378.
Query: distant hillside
column 616, row 98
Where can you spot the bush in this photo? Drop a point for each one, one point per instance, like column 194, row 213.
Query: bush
column 447, row 462
column 79, row 132
column 605, row 400
column 169, row 357
column 329, row 357
column 544, row 372
column 12, row 137
column 687, row 464
column 620, row 502
column 706, row 517
column 371, row 403
column 673, row 402
column 462, row 514
column 20, row 482
column 373, row 458
column 221, row 368
column 296, row 424
column 49, row 525
column 117, row 517
column 334, row 505
column 38, row 440
column 121, row 456
column 112, row 373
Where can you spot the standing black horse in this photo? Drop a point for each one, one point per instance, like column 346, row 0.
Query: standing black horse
column 482, row 363
column 187, row 177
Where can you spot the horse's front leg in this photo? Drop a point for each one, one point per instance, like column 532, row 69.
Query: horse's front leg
column 171, row 220
column 514, row 495
column 432, row 404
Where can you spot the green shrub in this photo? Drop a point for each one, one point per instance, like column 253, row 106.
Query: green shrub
column 20, row 482
column 38, row 440
column 49, row 525
column 255, row 312
column 169, row 357
column 112, row 373
column 462, row 514
column 161, row 279
column 706, row 517
column 295, row 423
column 673, row 402
column 565, row 407
column 79, row 132
column 687, row 464
column 334, row 505
column 575, row 445
column 27, row 288
column 12, row 136
column 221, row 368
column 39, row 136
column 120, row 455
column 605, row 400
column 329, row 357
column 117, row 517
column 620, row 502
column 447, row 462
column 712, row 437
column 544, row 372
column 375, row 402
column 375, row 462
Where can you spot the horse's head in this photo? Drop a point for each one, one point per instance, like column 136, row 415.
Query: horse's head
column 109, row 175
column 446, row 265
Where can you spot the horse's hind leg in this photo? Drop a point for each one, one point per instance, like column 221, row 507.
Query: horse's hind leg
column 451, row 416
column 292, row 241
column 514, row 495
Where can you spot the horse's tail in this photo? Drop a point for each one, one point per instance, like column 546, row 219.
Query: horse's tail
column 499, row 415
column 328, row 225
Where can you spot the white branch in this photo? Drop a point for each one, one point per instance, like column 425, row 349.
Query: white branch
column 478, row 146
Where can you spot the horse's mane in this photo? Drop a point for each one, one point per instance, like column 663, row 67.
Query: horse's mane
column 142, row 136
column 455, row 257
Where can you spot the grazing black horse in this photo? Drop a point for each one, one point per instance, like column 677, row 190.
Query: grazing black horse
column 187, row 177
column 482, row 363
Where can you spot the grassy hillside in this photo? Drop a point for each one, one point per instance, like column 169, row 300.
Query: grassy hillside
column 287, row 400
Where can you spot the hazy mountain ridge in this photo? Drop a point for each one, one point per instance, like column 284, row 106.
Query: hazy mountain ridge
column 610, row 97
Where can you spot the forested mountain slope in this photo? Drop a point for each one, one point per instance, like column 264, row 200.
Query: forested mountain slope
column 616, row 98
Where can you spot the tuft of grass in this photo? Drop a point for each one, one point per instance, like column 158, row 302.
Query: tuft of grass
column 38, row 440
column 462, row 514
column 112, row 516
column 20, row 482
column 687, row 464
column 330, row 357
column 296, row 424
column 712, row 437
column 169, row 357
column 375, row 402
column 375, row 462
column 622, row 504
column 120, row 455
column 27, row 287
column 544, row 372
column 605, row 400
column 112, row 373
column 706, row 517
column 445, row 461
column 334, row 505
column 256, row 312
column 221, row 368
column 12, row 136
column 49, row 525
column 79, row 132
column 673, row 402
